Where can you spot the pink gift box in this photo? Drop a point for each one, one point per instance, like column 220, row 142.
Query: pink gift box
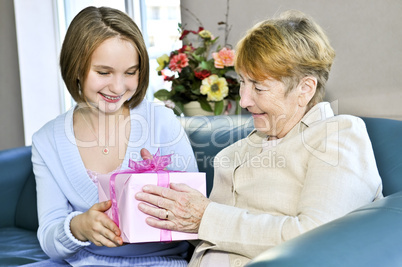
column 131, row 220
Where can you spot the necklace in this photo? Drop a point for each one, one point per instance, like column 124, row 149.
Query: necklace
column 105, row 150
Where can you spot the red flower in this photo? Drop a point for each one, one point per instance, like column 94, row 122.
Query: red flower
column 169, row 78
column 202, row 74
column 186, row 32
column 186, row 48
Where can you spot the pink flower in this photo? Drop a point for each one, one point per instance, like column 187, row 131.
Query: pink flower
column 217, row 61
column 178, row 62
column 225, row 57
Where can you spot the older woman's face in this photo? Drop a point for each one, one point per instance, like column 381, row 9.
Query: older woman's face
column 274, row 113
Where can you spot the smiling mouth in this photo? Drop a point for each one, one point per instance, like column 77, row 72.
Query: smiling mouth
column 113, row 98
column 256, row 114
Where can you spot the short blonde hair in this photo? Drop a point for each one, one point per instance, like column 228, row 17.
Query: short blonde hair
column 87, row 31
column 287, row 49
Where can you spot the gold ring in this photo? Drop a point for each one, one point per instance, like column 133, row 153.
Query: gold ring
column 167, row 215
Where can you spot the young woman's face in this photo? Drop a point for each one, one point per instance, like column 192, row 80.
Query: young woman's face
column 274, row 112
column 113, row 75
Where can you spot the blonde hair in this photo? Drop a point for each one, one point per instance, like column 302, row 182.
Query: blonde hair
column 87, row 31
column 287, row 49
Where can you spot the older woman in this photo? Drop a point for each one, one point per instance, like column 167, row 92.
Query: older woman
column 325, row 165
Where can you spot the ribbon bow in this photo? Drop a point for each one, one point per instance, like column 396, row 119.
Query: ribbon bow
column 156, row 164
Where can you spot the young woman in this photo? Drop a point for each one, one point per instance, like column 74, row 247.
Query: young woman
column 105, row 66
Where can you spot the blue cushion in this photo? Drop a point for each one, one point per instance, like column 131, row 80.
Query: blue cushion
column 386, row 139
column 210, row 134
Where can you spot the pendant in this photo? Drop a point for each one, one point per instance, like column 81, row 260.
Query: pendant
column 105, row 151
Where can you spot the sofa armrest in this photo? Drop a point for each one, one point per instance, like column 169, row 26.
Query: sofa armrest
column 17, row 189
column 368, row 236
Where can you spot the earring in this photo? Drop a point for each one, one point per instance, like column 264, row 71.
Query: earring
column 79, row 87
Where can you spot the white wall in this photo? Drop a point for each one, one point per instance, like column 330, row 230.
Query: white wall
column 366, row 77
column 11, row 126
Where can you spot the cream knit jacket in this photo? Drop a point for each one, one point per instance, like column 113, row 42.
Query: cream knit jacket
column 321, row 170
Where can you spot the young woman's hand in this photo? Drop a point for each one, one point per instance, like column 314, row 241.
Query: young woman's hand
column 145, row 154
column 95, row 226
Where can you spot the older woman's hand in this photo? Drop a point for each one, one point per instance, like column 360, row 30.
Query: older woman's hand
column 178, row 208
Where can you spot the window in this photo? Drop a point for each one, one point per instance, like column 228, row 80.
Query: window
column 173, row 12
column 163, row 37
column 153, row 12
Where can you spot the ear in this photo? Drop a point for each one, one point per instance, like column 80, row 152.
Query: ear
column 308, row 86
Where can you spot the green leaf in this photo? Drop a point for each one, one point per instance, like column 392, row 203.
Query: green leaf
column 180, row 88
column 204, row 65
column 218, row 107
column 199, row 50
column 207, row 65
column 178, row 109
column 162, row 94
column 238, row 108
column 205, row 104
column 198, row 58
column 195, row 88
column 214, row 40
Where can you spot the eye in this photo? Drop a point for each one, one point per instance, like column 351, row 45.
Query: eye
column 103, row 73
column 131, row 73
column 257, row 89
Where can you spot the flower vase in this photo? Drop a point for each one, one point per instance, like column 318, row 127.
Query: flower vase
column 193, row 108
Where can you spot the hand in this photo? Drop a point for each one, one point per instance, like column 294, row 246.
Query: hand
column 145, row 154
column 184, row 205
column 94, row 225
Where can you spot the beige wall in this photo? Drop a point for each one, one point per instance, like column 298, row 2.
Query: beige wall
column 366, row 78
column 11, row 126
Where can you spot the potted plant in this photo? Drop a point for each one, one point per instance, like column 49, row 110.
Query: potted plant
column 198, row 75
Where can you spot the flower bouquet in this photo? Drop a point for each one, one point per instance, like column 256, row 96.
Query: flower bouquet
column 197, row 76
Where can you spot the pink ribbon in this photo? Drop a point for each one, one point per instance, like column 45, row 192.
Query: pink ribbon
column 156, row 164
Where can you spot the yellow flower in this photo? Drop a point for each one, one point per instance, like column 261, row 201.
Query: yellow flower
column 214, row 87
column 162, row 61
column 205, row 34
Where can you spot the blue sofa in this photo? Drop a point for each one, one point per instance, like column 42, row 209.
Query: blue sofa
column 369, row 236
column 18, row 215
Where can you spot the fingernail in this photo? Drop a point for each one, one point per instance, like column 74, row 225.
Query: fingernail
column 145, row 188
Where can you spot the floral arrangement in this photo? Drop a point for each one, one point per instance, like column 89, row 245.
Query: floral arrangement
column 197, row 76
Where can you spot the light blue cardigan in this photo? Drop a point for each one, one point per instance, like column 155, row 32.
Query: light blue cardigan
column 64, row 188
